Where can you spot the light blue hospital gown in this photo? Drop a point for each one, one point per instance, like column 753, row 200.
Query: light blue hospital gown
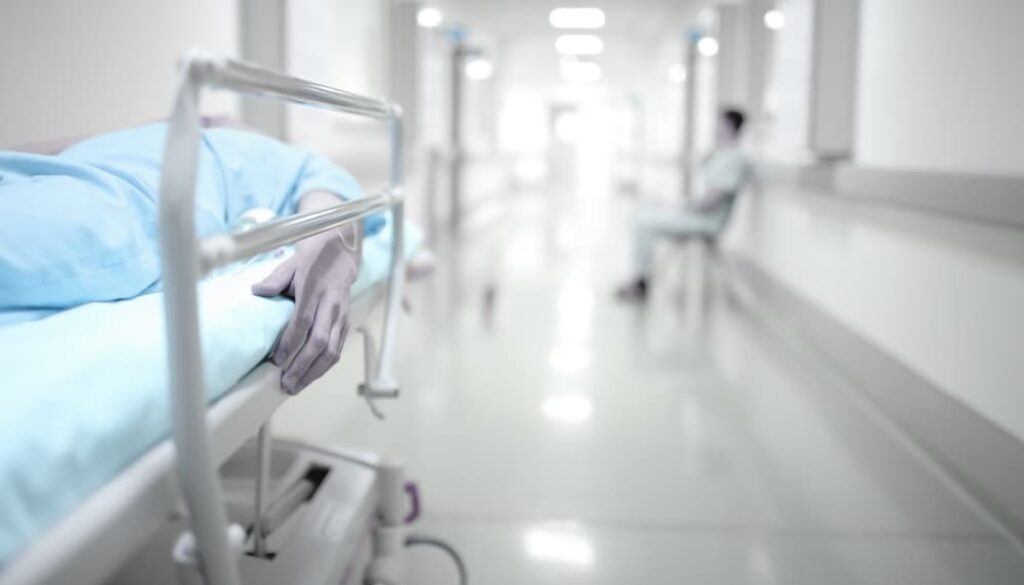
column 81, row 226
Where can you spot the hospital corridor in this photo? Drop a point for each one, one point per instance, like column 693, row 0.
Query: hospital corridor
column 562, row 438
column 429, row 292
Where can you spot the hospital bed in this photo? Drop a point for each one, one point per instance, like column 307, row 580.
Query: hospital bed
column 98, row 495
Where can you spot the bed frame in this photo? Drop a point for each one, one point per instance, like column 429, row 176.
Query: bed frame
column 102, row 534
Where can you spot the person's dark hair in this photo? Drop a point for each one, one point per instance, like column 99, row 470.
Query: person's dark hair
column 736, row 118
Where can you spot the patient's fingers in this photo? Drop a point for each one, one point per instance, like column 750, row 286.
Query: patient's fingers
column 297, row 329
column 327, row 314
column 329, row 357
column 277, row 282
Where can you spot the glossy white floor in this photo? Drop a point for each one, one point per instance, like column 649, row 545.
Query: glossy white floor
column 561, row 438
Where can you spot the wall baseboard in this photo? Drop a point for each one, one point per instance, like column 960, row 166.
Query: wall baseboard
column 987, row 461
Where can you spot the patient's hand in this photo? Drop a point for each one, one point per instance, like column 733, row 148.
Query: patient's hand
column 318, row 277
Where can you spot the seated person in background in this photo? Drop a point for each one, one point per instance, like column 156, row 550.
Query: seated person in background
column 723, row 175
column 81, row 227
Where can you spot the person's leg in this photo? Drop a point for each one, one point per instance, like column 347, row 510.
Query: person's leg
column 69, row 234
column 651, row 225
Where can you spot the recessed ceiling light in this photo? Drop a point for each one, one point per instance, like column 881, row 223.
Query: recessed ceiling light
column 774, row 19
column 579, row 45
column 479, row 69
column 429, row 17
column 576, row 18
column 708, row 46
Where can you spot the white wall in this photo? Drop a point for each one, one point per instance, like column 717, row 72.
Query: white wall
column 811, row 79
column 941, row 88
column 309, row 40
column 834, row 87
column 734, row 75
column 359, row 59
column 939, row 294
column 942, row 85
column 788, row 92
column 76, row 68
column 341, row 43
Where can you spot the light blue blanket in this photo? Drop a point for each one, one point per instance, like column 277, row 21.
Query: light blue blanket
column 81, row 226
column 84, row 391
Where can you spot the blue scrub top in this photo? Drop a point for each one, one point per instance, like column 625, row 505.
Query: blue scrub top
column 81, row 226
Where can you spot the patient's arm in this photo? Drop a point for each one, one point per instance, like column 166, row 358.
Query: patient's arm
column 318, row 277
column 712, row 200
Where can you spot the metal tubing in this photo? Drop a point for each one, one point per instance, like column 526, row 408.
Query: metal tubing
column 383, row 379
column 222, row 249
column 178, row 253
column 393, row 310
column 243, row 77
column 287, row 504
column 259, row 535
column 456, row 135
column 689, row 114
column 183, row 257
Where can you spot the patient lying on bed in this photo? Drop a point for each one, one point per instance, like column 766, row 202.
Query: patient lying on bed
column 81, row 227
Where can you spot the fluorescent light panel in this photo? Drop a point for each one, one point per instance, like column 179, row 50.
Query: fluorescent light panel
column 707, row 46
column 579, row 45
column 429, row 17
column 774, row 19
column 479, row 69
column 579, row 18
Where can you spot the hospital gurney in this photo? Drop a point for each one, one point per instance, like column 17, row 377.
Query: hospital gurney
column 148, row 500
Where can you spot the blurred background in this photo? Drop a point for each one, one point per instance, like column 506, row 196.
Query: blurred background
column 829, row 394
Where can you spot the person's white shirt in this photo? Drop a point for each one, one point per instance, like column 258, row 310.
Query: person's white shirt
column 725, row 171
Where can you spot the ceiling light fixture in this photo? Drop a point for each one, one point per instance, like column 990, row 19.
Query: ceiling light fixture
column 579, row 45
column 429, row 17
column 479, row 69
column 707, row 46
column 591, row 18
column 774, row 19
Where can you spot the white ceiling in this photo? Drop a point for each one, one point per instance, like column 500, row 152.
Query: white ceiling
column 640, row 38
column 638, row 21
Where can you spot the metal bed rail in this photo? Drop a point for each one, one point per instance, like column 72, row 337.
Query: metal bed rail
column 221, row 249
column 184, row 259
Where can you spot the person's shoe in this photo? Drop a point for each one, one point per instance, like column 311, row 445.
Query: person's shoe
column 633, row 292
